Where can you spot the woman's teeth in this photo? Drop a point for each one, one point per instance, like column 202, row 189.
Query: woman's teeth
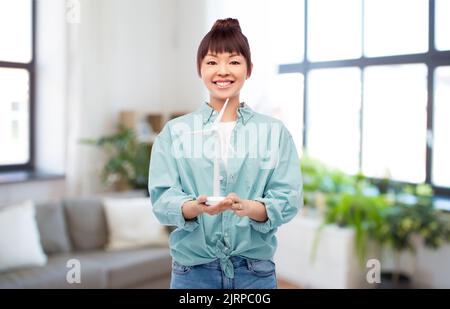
column 223, row 84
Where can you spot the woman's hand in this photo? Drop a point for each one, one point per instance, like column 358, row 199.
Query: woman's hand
column 192, row 209
column 239, row 206
column 252, row 209
column 215, row 209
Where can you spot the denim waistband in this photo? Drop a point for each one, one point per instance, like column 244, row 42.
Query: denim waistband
column 237, row 261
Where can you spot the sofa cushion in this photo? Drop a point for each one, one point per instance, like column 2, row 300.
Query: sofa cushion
column 132, row 224
column 86, row 222
column 53, row 275
column 52, row 227
column 19, row 237
column 130, row 267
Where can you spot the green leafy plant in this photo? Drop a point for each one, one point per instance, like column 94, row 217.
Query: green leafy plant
column 362, row 213
column 387, row 212
column 403, row 221
column 319, row 178
column 128, row 159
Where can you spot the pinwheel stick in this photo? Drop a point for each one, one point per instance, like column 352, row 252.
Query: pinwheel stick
column 217, row 198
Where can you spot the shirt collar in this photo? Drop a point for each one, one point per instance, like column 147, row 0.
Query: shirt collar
column 244, row 113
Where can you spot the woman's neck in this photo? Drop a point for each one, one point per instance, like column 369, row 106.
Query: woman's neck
column 230, row 113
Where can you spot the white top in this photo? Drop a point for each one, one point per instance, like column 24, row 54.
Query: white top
column 224, row 130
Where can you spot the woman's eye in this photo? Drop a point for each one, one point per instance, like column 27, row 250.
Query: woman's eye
column 234, row 63
column 211, row 63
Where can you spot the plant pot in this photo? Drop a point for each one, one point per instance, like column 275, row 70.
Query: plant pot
column 122, row 185
column 390, row 280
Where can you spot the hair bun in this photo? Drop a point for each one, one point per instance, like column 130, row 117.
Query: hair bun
column 228, row 23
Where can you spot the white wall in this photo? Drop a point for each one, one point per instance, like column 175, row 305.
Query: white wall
column 38, row 191
column 191, row 26
column 50, row 86
column 122, row 55
column 336, row 264
column 115, row 64
column 433, row 267
column 130, row 55
column 254, row 22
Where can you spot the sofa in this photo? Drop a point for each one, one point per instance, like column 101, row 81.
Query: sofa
column 76, row 228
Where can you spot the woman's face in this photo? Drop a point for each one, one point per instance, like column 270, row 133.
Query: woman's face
column 224, row 74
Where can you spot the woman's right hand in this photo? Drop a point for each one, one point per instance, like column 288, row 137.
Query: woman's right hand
column 215, row 209
column 192, row 209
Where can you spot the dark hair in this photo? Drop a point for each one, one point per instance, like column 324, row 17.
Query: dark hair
column 225, row 36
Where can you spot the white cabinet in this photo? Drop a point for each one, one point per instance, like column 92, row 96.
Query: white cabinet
column 335, row 265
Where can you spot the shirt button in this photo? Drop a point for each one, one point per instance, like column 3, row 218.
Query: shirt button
column 226, row 234
column 220, row 178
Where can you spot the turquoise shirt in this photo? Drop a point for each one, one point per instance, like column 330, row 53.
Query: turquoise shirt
column 263, row 165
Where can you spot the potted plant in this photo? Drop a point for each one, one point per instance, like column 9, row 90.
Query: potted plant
column 128, row 159
column 409, row 222
column 394, row 217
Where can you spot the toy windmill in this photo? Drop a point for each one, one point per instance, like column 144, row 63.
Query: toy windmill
column 214, row 129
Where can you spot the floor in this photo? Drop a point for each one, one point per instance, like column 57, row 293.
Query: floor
column 283, row 284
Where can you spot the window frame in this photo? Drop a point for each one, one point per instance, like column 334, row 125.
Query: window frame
column 30, row 67
column 433, row 58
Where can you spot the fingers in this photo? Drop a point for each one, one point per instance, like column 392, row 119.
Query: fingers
column 237, row 206
column 211, row 210
column 218, row 208
column 232, row 202
column 234, row 197
column 205, row 209
column 226, row 203
column 201, row 199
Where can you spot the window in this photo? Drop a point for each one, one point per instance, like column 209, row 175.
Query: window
column 286, row 17
column 395, row 146
column 442, row 23
column 288, row 91
column 441, row 147
column 333, row 128
column 377, row 87
column 16, row 84
column 333, row 29
column 395, row 27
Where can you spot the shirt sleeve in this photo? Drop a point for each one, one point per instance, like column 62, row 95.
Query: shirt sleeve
column 164, row 185
column 283, row 193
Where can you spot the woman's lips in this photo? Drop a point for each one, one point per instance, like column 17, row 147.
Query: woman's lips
column 223, row 84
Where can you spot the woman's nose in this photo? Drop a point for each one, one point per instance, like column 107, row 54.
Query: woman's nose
column 223, row 69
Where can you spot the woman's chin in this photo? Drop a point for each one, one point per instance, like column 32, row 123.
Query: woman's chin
column 223, row 95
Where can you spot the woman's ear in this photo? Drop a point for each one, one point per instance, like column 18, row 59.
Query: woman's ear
column 251, row 70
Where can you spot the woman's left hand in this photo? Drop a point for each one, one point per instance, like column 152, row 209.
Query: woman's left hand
column 253, row 209
column 239, row 206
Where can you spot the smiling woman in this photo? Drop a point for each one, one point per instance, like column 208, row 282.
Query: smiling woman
column 224, row 75
column 224, row 62
column 229, row 244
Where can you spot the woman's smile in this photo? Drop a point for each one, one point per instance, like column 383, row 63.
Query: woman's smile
column 223, row 84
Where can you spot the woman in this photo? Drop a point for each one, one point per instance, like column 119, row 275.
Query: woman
column 230, row 244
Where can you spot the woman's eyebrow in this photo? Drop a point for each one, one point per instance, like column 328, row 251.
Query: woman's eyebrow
column 231, row 55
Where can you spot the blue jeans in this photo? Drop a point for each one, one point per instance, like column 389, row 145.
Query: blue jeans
column 248, row 274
